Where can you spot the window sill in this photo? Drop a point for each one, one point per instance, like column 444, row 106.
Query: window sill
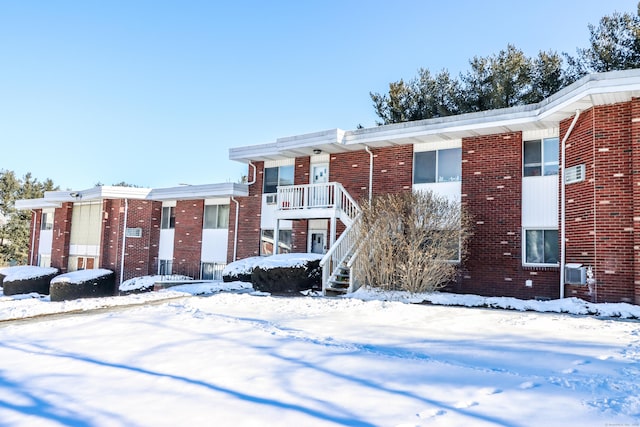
column 541, row 267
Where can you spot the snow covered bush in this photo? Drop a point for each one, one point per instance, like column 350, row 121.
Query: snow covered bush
column 26, row 279
column 282, row 273
column 83, row 284
column 411, row 241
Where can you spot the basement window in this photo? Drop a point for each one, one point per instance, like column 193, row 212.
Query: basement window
column 541, row 247
column 267, row 241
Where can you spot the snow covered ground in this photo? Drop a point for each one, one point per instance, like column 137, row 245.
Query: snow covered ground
column 245, row 360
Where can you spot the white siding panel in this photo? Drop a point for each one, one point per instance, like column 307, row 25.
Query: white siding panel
column 214, row 245
column 165, row 248
column 540, row 202
column 268, row 216
column 46, row 240
column 450, row 190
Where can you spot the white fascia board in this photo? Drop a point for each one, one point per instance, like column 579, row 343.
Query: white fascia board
column 191, row 192
column 97, row 193
column 114, row 192
column 29, row 204
column 273, row 150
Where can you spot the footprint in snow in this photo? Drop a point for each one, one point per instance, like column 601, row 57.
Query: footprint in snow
column 467, row 404
column 431, row 413
column 580, row 362
column 569, row 371
column 527, row 385
column 490, row 390
column 604, row 357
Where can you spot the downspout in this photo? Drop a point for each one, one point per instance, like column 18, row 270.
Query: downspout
column 33, row 235
column 255, row 173
column 563, row 203
column 368, row 150
column 124, row 239
column 235, row 230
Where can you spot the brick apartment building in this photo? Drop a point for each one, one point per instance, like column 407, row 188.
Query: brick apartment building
column 553, row 189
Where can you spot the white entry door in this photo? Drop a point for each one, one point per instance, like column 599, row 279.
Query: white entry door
column 317, row 241
column 320, row 196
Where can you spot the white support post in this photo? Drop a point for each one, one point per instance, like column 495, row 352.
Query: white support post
column 276, row 237
column 332, row 239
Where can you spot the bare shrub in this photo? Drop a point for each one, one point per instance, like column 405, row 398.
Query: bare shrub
column 411, row 241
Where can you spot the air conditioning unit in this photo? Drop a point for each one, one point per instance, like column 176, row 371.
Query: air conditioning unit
column 575, row 274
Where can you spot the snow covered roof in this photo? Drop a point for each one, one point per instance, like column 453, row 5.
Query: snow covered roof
column 591, row 90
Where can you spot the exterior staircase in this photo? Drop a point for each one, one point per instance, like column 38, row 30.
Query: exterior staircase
column 329, row 200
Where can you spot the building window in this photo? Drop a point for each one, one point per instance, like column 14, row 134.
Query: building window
column 437, row 166
column 216, row 216
column 135, row 232
column 266, row 242
column 211, row 271
column 541, row 247
column 277, row 176
column 165, row 267
column 541, row 157
column 47, row 221
column 168, row 217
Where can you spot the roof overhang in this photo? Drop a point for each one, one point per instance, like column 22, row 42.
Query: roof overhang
column 592, row 90
column 191, row 192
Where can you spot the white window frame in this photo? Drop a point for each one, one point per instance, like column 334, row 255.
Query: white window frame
column 165, row 221
column 281, row 242
column 543, row 161
column 46, row 221
column 437, row 166
column 280, row 184
column 216, row 222
column 524, row 247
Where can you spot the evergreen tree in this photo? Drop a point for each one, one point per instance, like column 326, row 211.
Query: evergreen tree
column 510, row 78
column 14, row 233
column 614, row 45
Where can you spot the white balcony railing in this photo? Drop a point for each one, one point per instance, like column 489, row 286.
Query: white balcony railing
column 331, row 195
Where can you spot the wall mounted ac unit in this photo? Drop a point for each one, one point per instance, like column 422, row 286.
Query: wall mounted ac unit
column 575, row 274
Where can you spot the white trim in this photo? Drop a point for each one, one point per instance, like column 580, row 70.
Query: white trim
column 529, row 135
column 436, row 146
column 524, row 248
column 278, row 163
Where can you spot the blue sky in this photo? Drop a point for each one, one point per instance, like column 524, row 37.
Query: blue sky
column 155, row 92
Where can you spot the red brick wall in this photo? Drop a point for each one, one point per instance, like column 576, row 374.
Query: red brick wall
column 600, row 210
column 352, row 171
column 140, row 253
column 635, row 159
column 392, row 169
column 61, row 237
column 492, row 193
column 187, row 244
column 249, row 218
column 34, row 236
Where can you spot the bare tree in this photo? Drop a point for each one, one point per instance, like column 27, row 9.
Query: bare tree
column 411, row 241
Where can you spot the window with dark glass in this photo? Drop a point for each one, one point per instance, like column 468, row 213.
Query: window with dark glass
column 168, row 217
column 541, row 247
column 267, row 242
column 47, row 221
column 277, row 176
